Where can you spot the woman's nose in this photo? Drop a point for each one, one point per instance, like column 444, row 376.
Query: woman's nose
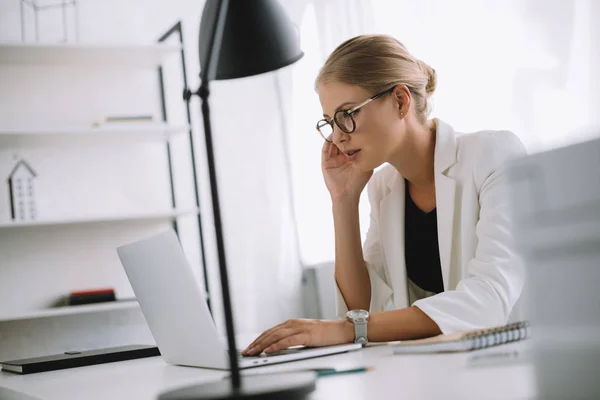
column 339, row 136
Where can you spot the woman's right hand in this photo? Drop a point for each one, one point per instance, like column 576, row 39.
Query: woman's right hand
column 342, row 178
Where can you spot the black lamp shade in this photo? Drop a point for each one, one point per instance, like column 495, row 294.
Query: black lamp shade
column 258, row 37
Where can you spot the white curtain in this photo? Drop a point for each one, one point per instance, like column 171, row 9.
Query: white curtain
column 530, row 66
column 323, row 25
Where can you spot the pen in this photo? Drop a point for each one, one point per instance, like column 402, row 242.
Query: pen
column 332, row 371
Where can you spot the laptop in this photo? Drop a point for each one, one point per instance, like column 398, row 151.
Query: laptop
column 174, row 305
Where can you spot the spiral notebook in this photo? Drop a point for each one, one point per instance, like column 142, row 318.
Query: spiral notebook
column 465, row 341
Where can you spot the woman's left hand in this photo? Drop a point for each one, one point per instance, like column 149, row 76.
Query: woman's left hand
column 306, row 332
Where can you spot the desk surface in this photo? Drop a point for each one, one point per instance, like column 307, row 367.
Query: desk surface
column 430, row 376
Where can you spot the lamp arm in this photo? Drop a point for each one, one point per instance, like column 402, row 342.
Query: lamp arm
column 204, row 92
column 207, row 74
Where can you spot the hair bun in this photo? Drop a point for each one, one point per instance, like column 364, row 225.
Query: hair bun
column 374, row 63
column 431, row 78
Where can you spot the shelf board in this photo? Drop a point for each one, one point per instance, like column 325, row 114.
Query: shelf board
column 72, row 310
column 73, row 136
column 165, row 215
column 105, row 55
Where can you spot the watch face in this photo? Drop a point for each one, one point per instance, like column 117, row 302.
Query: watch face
column 357, row 314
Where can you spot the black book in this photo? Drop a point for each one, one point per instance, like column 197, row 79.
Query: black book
column 73, row 359
column 77, row 299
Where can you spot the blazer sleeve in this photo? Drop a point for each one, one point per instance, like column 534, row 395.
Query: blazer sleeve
column 381, row 291
column 494, row 280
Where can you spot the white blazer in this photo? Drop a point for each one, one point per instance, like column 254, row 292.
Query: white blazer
column 483, row 277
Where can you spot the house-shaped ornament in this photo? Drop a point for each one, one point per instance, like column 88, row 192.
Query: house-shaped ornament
column 22, row 193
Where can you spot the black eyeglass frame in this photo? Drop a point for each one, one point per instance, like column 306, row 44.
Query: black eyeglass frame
column 349, row 112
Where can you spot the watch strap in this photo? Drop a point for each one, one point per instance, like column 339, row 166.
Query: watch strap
column 360, row 332
column 359, row 319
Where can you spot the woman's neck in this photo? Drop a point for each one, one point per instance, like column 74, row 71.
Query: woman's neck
column 414, row 158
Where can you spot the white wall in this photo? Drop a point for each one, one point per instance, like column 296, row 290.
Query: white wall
column 260, row 241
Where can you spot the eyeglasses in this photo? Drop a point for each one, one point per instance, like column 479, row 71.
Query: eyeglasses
column 344, row 118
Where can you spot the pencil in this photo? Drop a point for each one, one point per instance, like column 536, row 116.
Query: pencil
column 330, row 371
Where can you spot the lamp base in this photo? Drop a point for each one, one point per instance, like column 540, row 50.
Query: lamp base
column 289, row 386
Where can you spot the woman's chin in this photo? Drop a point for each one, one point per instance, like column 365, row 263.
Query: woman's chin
column 368, row 167
column 364, row 164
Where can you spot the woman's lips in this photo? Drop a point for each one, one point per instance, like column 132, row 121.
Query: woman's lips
column 352, row 154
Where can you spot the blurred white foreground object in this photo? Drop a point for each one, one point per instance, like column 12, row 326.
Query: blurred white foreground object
column 556, row 198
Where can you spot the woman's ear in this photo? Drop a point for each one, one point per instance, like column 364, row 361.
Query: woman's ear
column 403, row 99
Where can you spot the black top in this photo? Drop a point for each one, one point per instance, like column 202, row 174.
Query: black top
column 422, row 253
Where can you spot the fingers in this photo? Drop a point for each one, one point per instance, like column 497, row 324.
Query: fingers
column 325, row 148
column 327, row 151
column 268, row 340
column 294, row 340
column 263, row 335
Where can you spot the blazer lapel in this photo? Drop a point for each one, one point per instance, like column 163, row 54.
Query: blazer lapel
column 391, row 225
column 445, row 190
column 391, row 217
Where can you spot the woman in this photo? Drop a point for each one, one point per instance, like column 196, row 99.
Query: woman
column 438, row 256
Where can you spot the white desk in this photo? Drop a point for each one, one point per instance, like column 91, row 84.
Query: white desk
column 434, row 376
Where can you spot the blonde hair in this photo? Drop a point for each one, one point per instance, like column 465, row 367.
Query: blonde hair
column 379, row 62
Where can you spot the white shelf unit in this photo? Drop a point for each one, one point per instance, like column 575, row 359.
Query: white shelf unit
column 80, row 55
column 122, row 304
column 106, row 56
column 121, row 133
column 72, row 310
column 153, row 216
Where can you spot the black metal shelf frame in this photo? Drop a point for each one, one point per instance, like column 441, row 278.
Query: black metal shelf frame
column 177, row 30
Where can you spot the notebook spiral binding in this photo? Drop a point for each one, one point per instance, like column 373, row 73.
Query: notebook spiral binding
column 499, row 335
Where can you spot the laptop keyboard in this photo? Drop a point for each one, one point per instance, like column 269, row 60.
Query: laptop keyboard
column 279, row 353
column 283, row 352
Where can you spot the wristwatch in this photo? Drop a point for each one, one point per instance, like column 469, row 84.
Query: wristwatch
column 359, row 318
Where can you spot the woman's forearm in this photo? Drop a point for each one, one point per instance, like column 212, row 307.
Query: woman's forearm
column 351, row 273
column 404, row 324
